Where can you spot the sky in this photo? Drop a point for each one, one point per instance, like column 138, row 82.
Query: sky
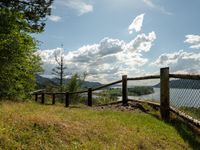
column 110, row 38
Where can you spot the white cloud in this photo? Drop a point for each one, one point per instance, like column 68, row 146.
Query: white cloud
column 54, row 18
column 142, row 42
column 157, row 7
column 80, row 6
column 136, row 24
column 180, row 62
column 106, row 60
column 48, row 56
column 193, row 40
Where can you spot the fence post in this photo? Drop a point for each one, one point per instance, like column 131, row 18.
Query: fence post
column 36, row 97
column 164, row 94
column 124, row 90
column 42, row 98
column 67, row 99
column 53, row 98
column 90, row 97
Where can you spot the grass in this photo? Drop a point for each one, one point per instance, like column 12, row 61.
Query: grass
column 33, row 126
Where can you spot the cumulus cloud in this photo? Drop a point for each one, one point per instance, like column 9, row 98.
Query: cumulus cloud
column 180, row 62
column 193, row 40
column 142, row 42
column 136, row 24
column 54, row 18
column 106, row 60
column 48, row 56
column 80, row 6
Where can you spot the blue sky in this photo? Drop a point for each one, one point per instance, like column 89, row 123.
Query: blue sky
column 98, row 29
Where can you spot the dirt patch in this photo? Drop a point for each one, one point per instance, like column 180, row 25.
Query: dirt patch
column 131, row 106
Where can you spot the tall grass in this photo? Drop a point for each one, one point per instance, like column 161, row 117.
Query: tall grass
column 34, row 126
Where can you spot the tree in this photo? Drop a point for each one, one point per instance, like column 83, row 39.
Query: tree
column 33, row 11
column 19, row 64
column 59, row 70
column 75, row 84
column 17, row 58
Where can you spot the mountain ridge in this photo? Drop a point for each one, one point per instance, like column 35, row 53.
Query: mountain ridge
column 182, row 84
column 42, row 82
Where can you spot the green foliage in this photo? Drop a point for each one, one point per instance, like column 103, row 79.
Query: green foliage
column 75, row 84
column 19, row 64
column 34, row 12
column 19, row 18
column 106, row 96
column 140, row 90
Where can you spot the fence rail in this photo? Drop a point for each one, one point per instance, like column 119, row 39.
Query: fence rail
column 164, row 105
column 107, row 85
column 185, row 76
column 145, row 77
column 37, row 91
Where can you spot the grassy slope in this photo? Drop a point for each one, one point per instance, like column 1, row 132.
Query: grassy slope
column 33, row 126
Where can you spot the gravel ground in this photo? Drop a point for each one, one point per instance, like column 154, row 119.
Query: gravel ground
column 132, row 106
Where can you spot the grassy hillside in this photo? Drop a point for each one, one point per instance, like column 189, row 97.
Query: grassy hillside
column 34, row 126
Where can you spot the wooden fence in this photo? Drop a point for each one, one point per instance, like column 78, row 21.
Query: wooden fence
column 164, row 92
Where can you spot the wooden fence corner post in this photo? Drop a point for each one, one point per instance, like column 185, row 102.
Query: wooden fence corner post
column 53, row 98
column 124, row 90
column 36, row 97
column 67, row 99
column 42, row 98
column 164, row 94
column 90, row 97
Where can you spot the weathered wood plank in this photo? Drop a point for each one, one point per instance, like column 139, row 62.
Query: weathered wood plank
column 67, row 99
column 164, row 94
column 185, row 117
column 53, row 98
column 36, row 97
column 90, row 97
column 124, row 90
column 42, row 98
column 185, row 76
column 37, row 91
column 145, row 77
column 79, row 92
column 107, row 85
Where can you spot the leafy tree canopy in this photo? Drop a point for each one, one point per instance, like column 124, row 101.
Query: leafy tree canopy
column 33, row 11
column 19, row 64
column 19, row 18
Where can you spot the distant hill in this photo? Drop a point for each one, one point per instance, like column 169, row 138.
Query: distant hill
column 42, row 82
column 182, row 84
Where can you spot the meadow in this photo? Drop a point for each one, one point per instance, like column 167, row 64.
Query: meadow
column 29, row 125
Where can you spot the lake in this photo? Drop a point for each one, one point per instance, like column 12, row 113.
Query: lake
column 178, row 97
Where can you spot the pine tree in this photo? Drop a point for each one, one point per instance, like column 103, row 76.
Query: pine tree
column 33, row 11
